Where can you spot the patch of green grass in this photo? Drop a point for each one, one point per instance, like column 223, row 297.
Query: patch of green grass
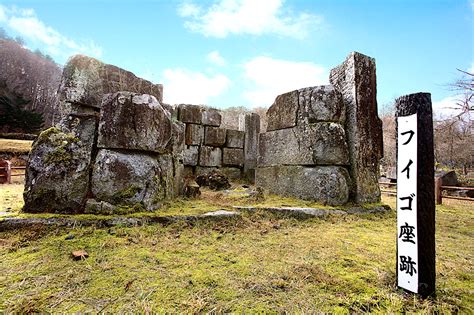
column 271, row 265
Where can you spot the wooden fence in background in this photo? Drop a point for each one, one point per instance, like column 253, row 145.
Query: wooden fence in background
column 385, row 188
column 6, row 173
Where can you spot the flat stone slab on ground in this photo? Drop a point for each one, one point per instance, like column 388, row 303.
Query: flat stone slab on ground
column 315, row 212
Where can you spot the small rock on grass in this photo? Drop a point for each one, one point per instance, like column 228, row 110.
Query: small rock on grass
column 79, row 254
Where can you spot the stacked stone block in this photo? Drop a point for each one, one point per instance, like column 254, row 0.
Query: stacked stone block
column 111, row 152
column 209, row 147
column 304, row 153
column 324, row 143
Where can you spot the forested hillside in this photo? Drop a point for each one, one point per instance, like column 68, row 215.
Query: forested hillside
column 28, row 87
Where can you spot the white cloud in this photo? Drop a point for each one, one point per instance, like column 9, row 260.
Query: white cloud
column 27, row 24
column 471, row 68
column 188, row 9
column 447, row 107
column 185, row 86
column 255, row 17
column 215, row 58
column 272, row 77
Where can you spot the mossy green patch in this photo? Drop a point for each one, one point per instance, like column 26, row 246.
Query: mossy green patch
column 123, row 196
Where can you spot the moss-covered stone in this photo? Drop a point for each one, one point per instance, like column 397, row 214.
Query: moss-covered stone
column 57, row 175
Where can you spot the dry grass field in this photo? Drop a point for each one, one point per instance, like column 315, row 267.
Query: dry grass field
column 259, row 263
column 15, row 146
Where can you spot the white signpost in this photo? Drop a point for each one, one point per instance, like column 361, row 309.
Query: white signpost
column 407, row 241
column 415, row 195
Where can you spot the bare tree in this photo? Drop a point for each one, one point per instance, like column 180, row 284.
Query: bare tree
column 465, row 85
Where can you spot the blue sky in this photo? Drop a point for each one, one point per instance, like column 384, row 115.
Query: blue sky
column 245, row 52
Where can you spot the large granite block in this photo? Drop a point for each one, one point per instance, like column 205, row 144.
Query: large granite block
column 356, row 80
column 214, row 136
column 57, row 174
column 233, row 157
column 211, row 117
column 191, row 155
column 134, row 122
column 283, row 112
column 86, row 80
column 190, row 114
column 320, row 103
column 210, row 156
column 235, row 139
column 312, row 144
column 304, row 106
column 325, row 184
column 250, row 124
column 194, row 134
column 132, row 180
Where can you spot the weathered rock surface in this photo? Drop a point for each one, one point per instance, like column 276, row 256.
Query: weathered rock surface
column 235, row 139
column 214, row 136
column 194, row 134
column 134, row 122
column 191, row 155
column 190, row 114
column 325, row 184
column 99, row 207
column 132, row 181
column 210, row 156
column 320, row 103
column 283, row 112
column 250, row 124
column 305, row 106
column 233, row 157
column 211, row 117
column 356, row 80
column 85, row 80
column 57, row 175
column 312, row 144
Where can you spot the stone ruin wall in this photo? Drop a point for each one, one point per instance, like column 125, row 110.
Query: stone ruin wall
column 324, row 143
column 119, row 153
column 118, row 148
column 209, row 147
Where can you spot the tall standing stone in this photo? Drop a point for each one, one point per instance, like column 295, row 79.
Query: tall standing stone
column 355, row 78
column 250, row 123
